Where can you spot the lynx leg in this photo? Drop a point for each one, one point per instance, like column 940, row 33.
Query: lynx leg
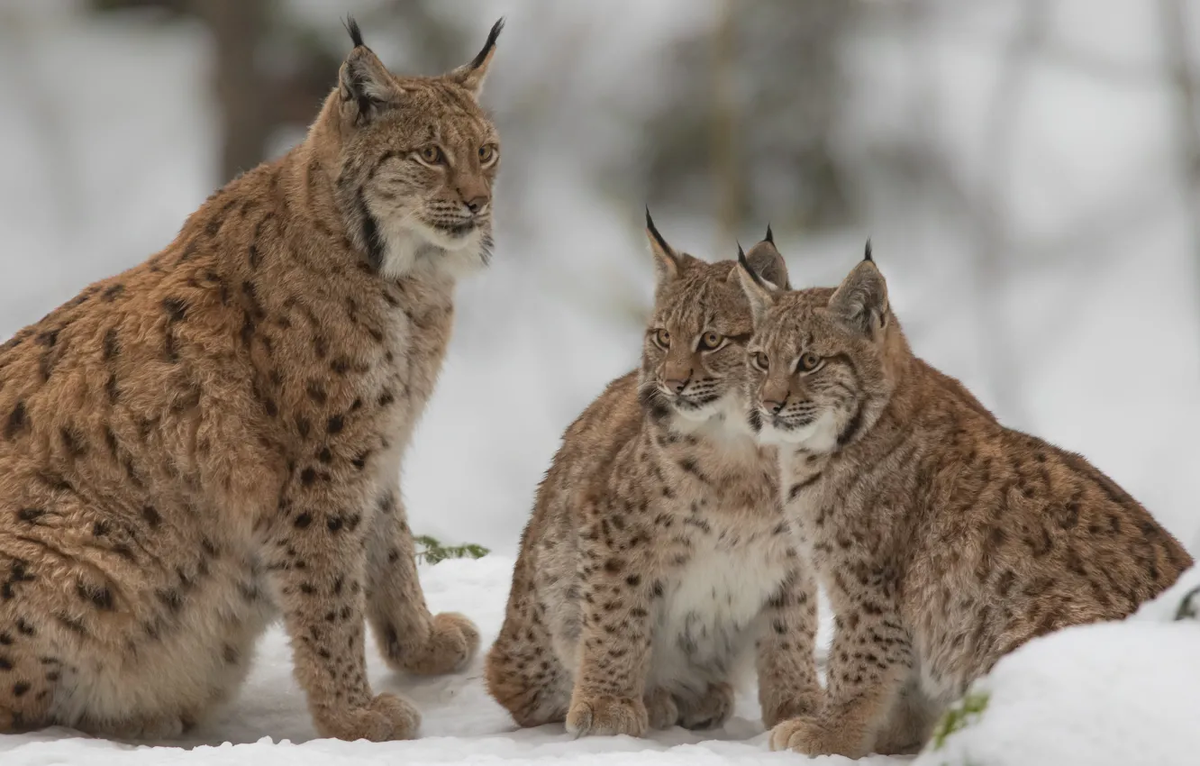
column 410, row 638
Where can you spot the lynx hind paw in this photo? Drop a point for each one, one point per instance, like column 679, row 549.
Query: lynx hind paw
column 385, row 718
column 607, row 716
column 453, row 643
column 810, row 736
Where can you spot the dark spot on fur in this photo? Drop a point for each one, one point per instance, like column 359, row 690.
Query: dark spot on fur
column 303, row 520
column 112, row 344
column 30, row 515
column 334, row 425
column 316, row 392
column 17, row 420
column 152, row 517
column 72, row 441
column 176, row 309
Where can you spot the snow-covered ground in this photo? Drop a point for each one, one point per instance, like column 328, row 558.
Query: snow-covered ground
column 1117, row 694
column 269, row 723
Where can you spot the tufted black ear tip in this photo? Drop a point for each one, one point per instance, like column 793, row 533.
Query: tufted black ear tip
column 355, row 33
column 867, row 254
column 650, row 227
column 480, row 57
column 770, row 236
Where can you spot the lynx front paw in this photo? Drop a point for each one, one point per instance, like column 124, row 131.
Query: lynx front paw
column 607, row 716
column 811, row 736
column 386, row 717
column 453, row 642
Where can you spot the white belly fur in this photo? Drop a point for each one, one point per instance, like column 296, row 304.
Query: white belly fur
column 708, row 620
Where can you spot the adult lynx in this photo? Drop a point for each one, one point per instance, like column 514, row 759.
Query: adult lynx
column 945, row 539
column 215, row 435
column 658, row 550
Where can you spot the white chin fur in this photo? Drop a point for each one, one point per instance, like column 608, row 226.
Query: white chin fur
column 427, row 251
column 724, row 421
column 818, row 436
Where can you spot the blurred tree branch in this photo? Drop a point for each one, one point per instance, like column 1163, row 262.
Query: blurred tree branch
column 239, row 28
column 1182, row 76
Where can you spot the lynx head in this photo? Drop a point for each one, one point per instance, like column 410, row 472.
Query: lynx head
column 416, row 158
column 694, row 353
column 821, row 364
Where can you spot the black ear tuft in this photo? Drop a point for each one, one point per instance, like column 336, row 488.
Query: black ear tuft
column 650, row 227
column 497, row 28
column 867, row 254
column 770, row 236
column 355, row 33
column 745, row 265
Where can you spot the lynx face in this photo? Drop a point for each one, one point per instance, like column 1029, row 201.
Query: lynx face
column 419, row 159
column 817, row 360
column 694, row 353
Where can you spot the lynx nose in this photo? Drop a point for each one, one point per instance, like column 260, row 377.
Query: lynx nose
column 773, row 405
column 675, row 385
column 475, row 204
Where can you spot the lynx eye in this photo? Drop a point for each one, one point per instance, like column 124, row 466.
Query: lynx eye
column 808, row 362
column 431, row 155
column 710, row 341
column 662, row 338
column 760, row 360
column 487, row 153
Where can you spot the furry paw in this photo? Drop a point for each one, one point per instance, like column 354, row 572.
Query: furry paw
column 798, row 707
column 708, row 710
column 386, row 717
column 661, row 709
column 453, row 642
column 810, row 736
column 607, row 716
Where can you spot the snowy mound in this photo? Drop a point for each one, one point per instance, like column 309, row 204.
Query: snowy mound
column 1115, row 694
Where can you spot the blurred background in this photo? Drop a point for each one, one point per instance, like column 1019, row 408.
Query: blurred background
column 1028, row 171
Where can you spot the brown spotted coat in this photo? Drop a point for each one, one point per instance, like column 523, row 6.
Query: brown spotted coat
column 214, row 436
column 658, row 550
column 945, row 540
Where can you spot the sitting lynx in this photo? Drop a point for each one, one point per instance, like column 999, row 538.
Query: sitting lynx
column 657, row 548
column 215, row 435
column 945, row 539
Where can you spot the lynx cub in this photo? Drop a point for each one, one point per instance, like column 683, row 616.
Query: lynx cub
column 657, row 550
column 215, row 435
column 945, row 539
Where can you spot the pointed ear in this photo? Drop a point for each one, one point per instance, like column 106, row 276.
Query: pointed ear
column 472, row 75
column 667, row 263
column 364, row 83
column 761, row 293
column 766, row 262
column 861, row 300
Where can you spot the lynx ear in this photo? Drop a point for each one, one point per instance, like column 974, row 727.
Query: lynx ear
column 861, row 300
column 766, row 261
column 472, row 75
column 760, row 292
column 364, row 83
column 667, row 263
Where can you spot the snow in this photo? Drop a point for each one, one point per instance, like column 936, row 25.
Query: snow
column 1116, row 693
column 268, row 723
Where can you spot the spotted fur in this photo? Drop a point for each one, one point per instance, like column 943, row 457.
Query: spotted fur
column 658, row 551
column 945, row 540
column 214, row 436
